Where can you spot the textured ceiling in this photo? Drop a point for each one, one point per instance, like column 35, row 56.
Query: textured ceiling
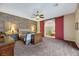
column 27, row 10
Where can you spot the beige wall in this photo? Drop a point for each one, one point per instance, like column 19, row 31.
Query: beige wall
column 77, row 20
column 70, row 33
column 69, row 27
column 38, row 26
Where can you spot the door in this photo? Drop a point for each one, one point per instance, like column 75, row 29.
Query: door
column 59, row 28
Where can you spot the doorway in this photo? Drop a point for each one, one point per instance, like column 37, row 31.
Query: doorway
column 50, row 28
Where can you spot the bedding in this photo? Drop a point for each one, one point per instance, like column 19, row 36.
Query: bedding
column 26, row 37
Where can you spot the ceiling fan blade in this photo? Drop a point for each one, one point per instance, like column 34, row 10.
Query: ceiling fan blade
column 41, row 16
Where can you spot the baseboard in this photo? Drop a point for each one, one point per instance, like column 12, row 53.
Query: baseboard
column 77, row 44
column 72, row 43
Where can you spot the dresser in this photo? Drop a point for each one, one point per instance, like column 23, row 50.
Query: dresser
column 7, row 47
column 36, row 38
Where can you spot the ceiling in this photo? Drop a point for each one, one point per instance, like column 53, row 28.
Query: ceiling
column 27, row 10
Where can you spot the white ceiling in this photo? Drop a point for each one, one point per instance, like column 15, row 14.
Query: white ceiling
column 27, row 10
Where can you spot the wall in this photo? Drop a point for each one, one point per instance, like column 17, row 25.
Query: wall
column 1, row 26
column 38, row 26
column 77, row 20
column 21, row 23
column 69, row 27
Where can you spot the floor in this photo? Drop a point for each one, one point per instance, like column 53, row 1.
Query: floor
column 48, row 47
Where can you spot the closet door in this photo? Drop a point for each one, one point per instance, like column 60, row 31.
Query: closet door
column 59, row 28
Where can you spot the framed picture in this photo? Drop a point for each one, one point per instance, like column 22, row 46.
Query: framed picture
column 76, row 26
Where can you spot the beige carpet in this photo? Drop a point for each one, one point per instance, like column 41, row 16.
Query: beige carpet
column 48, row 47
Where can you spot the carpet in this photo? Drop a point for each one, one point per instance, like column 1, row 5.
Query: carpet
column 48, row 47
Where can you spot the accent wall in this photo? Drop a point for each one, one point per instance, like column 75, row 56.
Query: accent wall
column 42, row 27
column 59, row 27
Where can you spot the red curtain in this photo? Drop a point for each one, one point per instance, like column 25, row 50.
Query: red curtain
column 42, row 27
column 59, row 27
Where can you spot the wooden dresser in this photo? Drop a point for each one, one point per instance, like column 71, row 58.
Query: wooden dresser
column 36, row 38
column 7, row 48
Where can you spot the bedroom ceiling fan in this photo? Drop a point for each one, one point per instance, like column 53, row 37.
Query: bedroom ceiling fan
column 38, row 15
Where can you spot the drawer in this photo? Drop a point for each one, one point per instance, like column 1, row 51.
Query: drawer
column 7, row 52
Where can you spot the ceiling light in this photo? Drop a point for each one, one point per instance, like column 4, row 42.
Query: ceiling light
column 38, row 15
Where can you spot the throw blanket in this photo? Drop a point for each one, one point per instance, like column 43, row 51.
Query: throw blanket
column 27, row 38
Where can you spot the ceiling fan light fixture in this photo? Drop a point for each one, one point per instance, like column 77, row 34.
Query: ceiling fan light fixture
column 37, row 17
column 41, row 15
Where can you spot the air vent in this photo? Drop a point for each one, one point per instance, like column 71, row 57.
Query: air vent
column 56, row 4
